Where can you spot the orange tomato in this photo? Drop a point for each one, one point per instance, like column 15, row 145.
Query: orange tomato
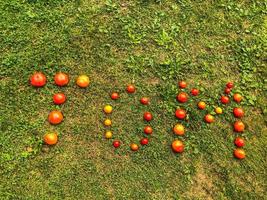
column 83, row 81
column 237, row 97
column 182, row 84
column 50, row 138
column 239, row 153
column 134, row 147
column 55, row 117
column 61, row 79
column 239, row 126
column 130, row 89
column 178, row 129
column 201, row 105
column 148, row 130
column 209, row 118
column 177, row 146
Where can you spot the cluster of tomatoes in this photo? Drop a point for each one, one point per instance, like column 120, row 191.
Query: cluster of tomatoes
column 147, row 117
column 38, row 79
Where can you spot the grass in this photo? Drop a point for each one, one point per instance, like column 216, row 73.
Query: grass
column 152, row 44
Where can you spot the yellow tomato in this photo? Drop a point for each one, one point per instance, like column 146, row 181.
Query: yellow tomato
column 218, row 110
column 108, row 109
column 107, row 122
column 83, row 81
column 108, row 134
column 178, row 129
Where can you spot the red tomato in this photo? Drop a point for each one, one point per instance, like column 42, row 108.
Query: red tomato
column 239, row 142
column 144, row 100
column 238, row 112
column 227, row 90
column 182, row 84
column 130, row 89
column 59, row 98
column 50, row 138
column 209, row 118
column 114, row 96
column 182, row 97
column 225, row 99
column 177, row 146
column 239, row 126
column 55, row 117
column 195, row 92
column 230, row 85
column 38, row 79
column 144, row 141
column 148, row 116
column 116, row 143
column 61, row 79
column 237, row 98
column 239, row 153
column 180, row 113
column 148, row 130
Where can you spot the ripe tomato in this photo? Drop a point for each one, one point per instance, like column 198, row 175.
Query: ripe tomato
column 59, row 98
column 209, row 118
column 50, row 138
column 239, row 153
column 116, row 143
column 144, row 100
column 61, row 79
column 178, row 129
column 55, row 117
column 148, row 130
column 182, row 97
column 239, row 142
column 225, row 99
column 182, row 84
column 38, row 79
column 238, row 112
column 195, row 92
column 130, row 89
column 115, row 96
column 239, row 126
column 148, row 116
column 230, row 85
column 227, row 90
column 201, row 105
column 180, row 113
column 177, row 146
column 134, row 147
column 237, row 98
column 144, row 141
column 83, row 81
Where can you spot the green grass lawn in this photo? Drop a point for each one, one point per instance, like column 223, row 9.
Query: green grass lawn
column 152, row 44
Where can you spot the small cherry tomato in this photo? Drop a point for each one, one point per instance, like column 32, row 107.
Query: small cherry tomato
column 225, row 99
column 144, row 101
column 144, row 141
column 38, row 79
column 238, row 112
column 230, row 85
column 114, row 96
column 239, row 142
column 148, row 116
column 177, row 146
column 148, row 130
column 61, row 79
column 195, row 92
column 180, row 113
column 130, row 89
column 59, row 98
column 116, row 143
column 182, row 84
column 239, row 153
column 182, row 97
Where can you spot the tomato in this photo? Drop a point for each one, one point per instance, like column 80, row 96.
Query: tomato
column 108, row 134
column 177, row 146
column 83, row 81
column 55, row 117
column 134, row 147
column 227, row 90
column 239, row 126
column 218, row 110
column 116, row 143
column 144, row 101
column 230, row 85
column 144, row 141
column 209, row 118
column 61, row 79
column 107, row 122
column 38, row 79
column 239, row 142
column 148, row 130
column 50, row 138
column 178, row 129
column 238, row 112
column 201, row 105
column 180, row 113
column 225, row 99
column 195, row 92
column 239, row 153
column 59, row 98
column 148, row 116
column 237, row 98
column 182, row 97
column 182, row 84
column 108, row 109
column 115, row 96
column 130, row 89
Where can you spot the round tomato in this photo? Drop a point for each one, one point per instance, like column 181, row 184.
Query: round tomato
column 38, row 79
column 239, row 153
column 195, row 92
column 201, row 105
column 83, row 81
column 239, row 142
column 237, row 98
column 238, row 112
column 209, row 118
column 144, row 101
column 180, row 113
column 107, row 122
column 108, row 134
column 61, row 79
column 59, row 98
column 182, row 97
column 218, row 110
column 134, row 147
column 239, row 126
column 225, row 99
column 108, row 109
column 50, row 138
column 144, row 141
column 178, row 129
column 148, row 130
column 148, row 116
column 182, row 84
column 55, row 117
column 230, row 85
column 130, row 89
column 177, row 146
column 114, row 96
column 116, row 143
column 227, row 90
